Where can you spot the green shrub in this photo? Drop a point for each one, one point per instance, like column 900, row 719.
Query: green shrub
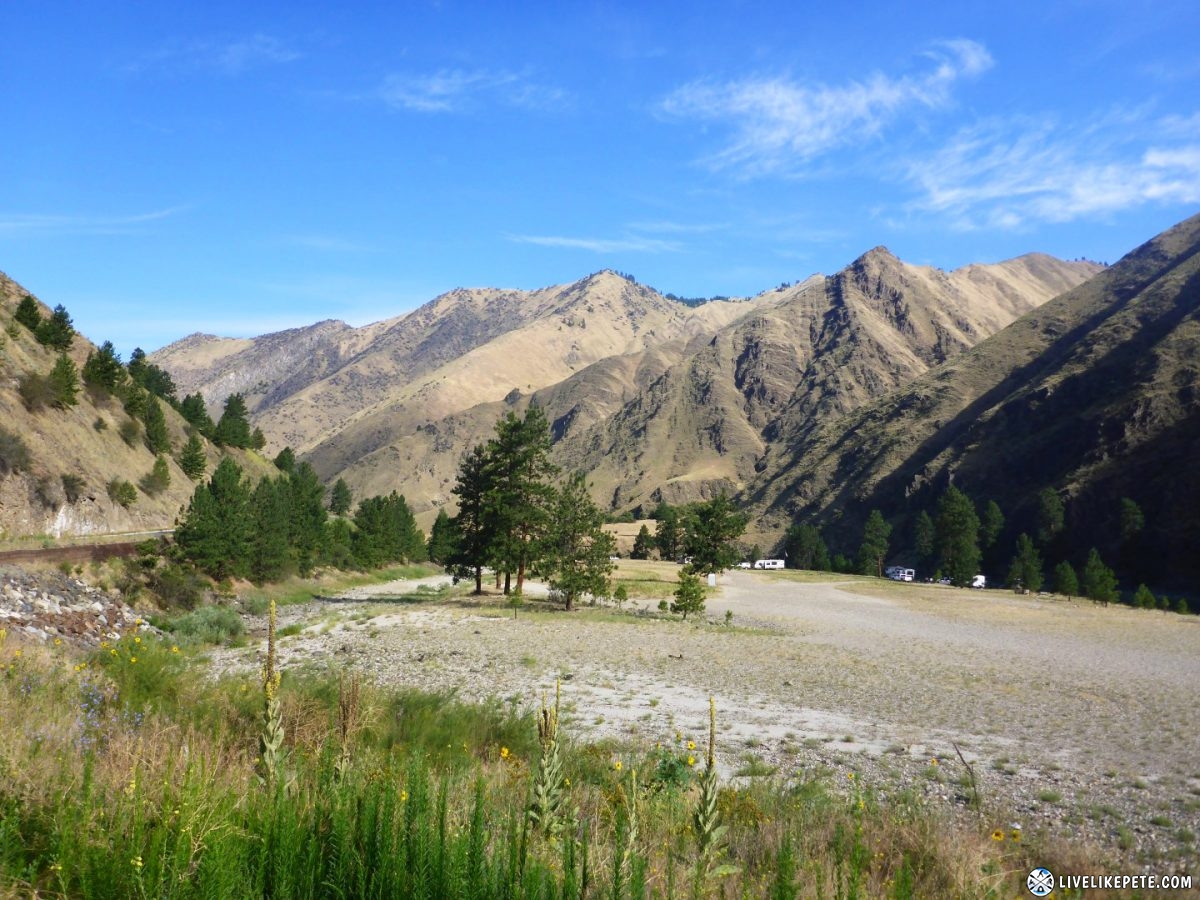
column 122, row 492
column 130, row 430
column 158, row 479
column 14, row 454
column 1181, row 606
column 178, row 587
column 72, row 486
column 209, row 625
column 35, row 391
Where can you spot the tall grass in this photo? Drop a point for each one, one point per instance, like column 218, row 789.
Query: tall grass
column 123, row 778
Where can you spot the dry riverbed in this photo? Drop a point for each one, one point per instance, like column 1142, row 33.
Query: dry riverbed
column 1073, row 718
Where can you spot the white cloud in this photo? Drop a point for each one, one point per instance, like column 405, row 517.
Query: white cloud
column 780, row 124
column 229, row 57
column 452, row 90
column 600, row 245
column 1008, row 174
column 27, row 224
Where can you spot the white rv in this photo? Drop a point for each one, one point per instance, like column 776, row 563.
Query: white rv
column 979, row 581
column 899, row 573
column 768, row 564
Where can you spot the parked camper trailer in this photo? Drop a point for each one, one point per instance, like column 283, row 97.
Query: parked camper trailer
column 900, row 573
column 979, row 581
column 768, row 564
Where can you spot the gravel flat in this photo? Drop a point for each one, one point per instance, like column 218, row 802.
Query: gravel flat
column 1074, row 718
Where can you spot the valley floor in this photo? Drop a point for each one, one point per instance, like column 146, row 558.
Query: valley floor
column 1076, row 719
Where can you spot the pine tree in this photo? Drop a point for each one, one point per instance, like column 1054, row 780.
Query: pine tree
column 307, row 517
column 103, row 369
column 576, row 552
column 153, row 378
column 28, row 313
column 192, row 458
column 642, row 544
column 64, row 382
column 873, row 550
column 441, row 539
column 713, row 529
column 159, row 477
column 270, row 554
column 1065, row 580
column 992, row 525
column 1098, row 582
column 957, row 529
column 217, row 529
column 1025, row 572
column 386, row 532
column 1050, row 516
column 1143, row 598
column 1132, row 520
column 258, row 440
column 340, row 498
column 233, row 429
column 668, row 536
column 158, row 438
column 471, row 525
column 194, row 411
column 520, row 490
column 286, row 461
column 56, row 332
column 924, row 537
column 805, row 549
column 689, row 596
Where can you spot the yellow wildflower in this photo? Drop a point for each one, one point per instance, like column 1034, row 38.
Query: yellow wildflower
column 691, row 745
column 403, row 796
column 691, row 760
column 1015, row 834
column 850, row 775
column 58, row 642
column 504, row 753
column 136, row 862
column 174, row 649
column 933, row 762
column 132, row 660
column 137, row 640
column 617, row 765
column 997, row 835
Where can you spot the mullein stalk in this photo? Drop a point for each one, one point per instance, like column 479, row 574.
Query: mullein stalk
column 270, row 742
column 707, row 818
column 547, row 803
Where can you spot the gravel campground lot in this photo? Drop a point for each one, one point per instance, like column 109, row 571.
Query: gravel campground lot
column 1074, row 718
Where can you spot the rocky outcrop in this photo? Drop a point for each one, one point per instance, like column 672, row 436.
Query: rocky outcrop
column 46, row 607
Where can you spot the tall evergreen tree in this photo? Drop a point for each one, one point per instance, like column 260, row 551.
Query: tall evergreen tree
column 992, row 524
column 1050, row 516
column 1132, row 520
column 576, row 553
column 158, row 438
column 194, row 411
column 307, row 517
column 285, row 461
column 64, row 382
column 386, row 532
column 233, row 429
column 1065, row 580
column 924, row 537
column 806, row 549
column 668, row 534
column 689, row 595
column 1098, row 582
column 103, row 369
column 56, row 332
column 29, row 313
column 270, row 555
column 471, row 524
column 441, row 539
column 520, row 491
column 217, row 529
column 159, row 477
column 642, row 544
column 713, row 529
column 873, row 551
column 192, row 458
column 1025, row 571
column 150, row 376
column 957, row 529
column 340, row 498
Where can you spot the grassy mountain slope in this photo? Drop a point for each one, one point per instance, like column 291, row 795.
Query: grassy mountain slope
column 73, row 442
column 1093, row 394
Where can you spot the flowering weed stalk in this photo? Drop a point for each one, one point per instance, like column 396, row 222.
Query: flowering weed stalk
column 270, row 744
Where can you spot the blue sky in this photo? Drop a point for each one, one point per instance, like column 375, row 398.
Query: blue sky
column 238, row 168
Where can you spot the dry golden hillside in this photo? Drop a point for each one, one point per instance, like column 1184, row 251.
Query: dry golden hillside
column 81, row 441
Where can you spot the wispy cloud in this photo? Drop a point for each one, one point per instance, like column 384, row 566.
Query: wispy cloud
column 51, row 224
column 227, row 57
column 1010, row 174
column 669, row 227
column 634, row 244
column 453, row 90
column 781, row 125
